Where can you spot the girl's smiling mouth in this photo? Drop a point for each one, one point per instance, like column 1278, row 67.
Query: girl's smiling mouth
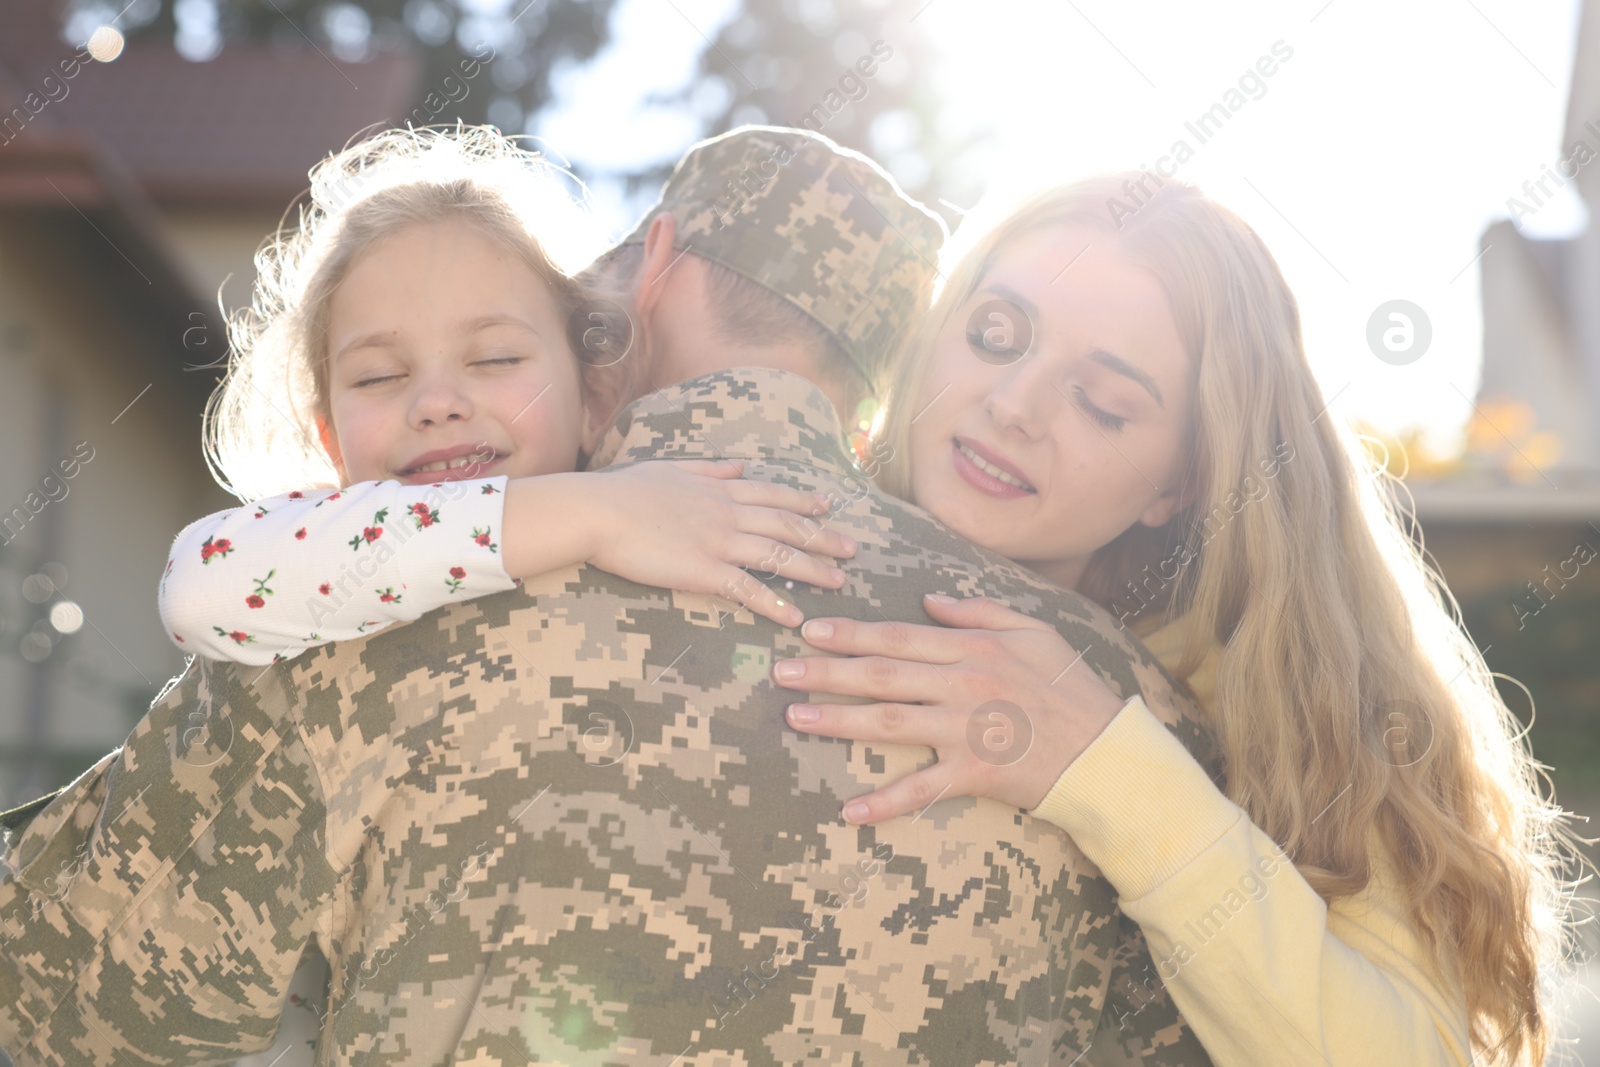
column 450, row 464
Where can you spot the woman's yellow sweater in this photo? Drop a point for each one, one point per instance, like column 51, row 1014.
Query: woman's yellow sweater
column 1262, row 969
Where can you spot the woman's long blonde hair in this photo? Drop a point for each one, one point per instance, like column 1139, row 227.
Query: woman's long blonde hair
column 261, row 434
column 1349, row 698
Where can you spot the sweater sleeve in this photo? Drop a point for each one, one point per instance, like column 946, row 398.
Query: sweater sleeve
column 269, row 580
column 1261, row 968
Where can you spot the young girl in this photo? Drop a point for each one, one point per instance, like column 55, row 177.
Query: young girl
column 409, row 343
column 1126, row 407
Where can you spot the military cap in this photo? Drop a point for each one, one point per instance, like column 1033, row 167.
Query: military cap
column 822, row 226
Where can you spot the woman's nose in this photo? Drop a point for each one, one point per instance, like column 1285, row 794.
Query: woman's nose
column 1019, row 397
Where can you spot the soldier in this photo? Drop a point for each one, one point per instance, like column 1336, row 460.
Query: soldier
column 565, row 823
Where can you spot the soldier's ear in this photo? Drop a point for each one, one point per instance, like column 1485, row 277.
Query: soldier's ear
column 659, row 256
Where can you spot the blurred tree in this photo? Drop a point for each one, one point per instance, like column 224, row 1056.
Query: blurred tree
column 1503, row 436
column 807, row 63
column 851, row 69
column 1406, row 454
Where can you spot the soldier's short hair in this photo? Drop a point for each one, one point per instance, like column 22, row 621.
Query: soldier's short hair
column 742, row 312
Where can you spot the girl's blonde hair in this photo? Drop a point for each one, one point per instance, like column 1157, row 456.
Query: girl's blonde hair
column 261, row 434
column 1349, row 698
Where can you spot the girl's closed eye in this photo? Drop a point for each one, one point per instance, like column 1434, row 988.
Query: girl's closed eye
column 375, row 379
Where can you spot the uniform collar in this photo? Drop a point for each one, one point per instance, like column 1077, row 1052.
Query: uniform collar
column 754, row 413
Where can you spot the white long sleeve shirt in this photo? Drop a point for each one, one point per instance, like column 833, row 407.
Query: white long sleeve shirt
column 267, row 581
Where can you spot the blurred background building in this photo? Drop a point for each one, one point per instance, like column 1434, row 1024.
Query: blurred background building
column 1513, row 518
column 130, row 192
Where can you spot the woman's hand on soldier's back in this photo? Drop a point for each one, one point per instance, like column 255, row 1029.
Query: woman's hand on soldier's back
column 679, row 524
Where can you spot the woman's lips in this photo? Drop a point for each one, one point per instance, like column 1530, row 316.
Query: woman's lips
column 982, row 480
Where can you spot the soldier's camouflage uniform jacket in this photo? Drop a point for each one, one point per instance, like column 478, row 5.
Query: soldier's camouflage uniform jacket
column 566, row 824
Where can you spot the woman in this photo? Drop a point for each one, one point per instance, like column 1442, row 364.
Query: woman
column 1126, row 407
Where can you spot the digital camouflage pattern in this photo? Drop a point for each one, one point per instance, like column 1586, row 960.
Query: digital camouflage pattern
column 821, row 226
column 565, row 824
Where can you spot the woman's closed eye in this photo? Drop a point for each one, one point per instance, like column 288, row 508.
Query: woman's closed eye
column 1103, row 417
column 981, row 341
column 986, row 345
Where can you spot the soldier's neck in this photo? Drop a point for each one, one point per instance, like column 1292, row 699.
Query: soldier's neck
column 794, row 358
column 746, row 411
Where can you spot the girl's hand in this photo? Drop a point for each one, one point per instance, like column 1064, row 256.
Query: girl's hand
column 692, row 524
column 1004, row 702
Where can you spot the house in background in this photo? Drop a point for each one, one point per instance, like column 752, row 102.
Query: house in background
column 1515, row 528
column 129, row 191
column 1541, row 321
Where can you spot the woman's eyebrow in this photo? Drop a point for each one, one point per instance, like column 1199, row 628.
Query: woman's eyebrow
column 1112, row 361
column 1109, row 360
column 1005, row 292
